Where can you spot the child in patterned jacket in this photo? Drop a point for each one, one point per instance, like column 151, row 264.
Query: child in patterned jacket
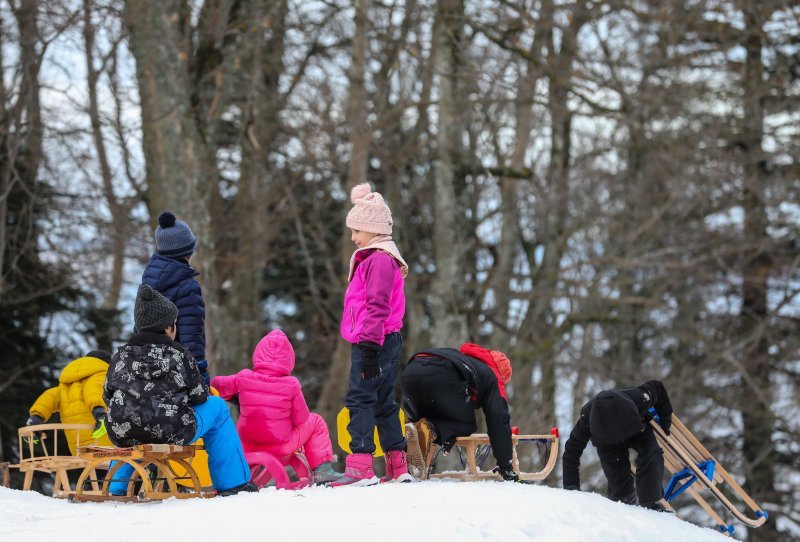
column 156, row 395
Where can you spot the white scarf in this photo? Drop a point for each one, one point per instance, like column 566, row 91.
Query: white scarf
column 385, row 244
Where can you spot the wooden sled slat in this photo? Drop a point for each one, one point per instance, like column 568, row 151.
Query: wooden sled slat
column 473, row 472
column 682, row 449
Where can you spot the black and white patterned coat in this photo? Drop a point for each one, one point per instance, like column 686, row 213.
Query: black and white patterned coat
column 151, row 384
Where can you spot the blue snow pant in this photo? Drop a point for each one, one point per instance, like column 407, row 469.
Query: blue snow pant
column 226, row 462
column 371, row 402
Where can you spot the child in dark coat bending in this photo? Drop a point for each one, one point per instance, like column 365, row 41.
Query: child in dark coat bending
column 616, row 421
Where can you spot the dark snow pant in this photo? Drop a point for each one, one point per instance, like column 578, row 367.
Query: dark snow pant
column 649, row 469
column 437, row 391
column 371, row 402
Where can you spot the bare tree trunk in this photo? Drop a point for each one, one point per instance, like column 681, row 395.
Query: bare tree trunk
column 335, row 389
column 539, row 327
column 181, row 173
column 250, row 227
column 449, row 323
column 758, row 419
column 22, row 146
column 106, row 325
column 5, row 131
column 509, row 249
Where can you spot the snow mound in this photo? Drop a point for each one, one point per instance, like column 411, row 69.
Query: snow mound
column 435, row 510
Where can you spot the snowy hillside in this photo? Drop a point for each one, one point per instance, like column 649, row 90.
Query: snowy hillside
column 438, row 511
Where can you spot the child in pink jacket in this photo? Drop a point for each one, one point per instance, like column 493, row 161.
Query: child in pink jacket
column 274, row 416
column 374, row 305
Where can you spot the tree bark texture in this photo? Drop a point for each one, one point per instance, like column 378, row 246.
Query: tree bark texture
column 333, row 393
column 758, row 419
column 448, row 321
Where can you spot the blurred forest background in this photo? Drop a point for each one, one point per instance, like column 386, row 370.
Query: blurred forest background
column 608, row 191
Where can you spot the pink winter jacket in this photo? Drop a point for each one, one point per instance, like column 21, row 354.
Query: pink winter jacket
column 270, row 399
column 374, row 303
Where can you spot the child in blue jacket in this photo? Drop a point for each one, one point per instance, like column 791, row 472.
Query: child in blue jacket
column 169, row 272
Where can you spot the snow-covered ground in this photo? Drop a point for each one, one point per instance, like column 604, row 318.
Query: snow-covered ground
column 438, row 511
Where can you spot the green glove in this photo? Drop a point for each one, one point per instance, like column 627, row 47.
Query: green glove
column 100, row 432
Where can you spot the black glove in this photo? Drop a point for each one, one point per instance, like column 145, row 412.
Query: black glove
column 660, row 401
column 202, row 365
column 370, row 368
column 666, row 423
column 508, row 474
column 99, row 414
column 35, row 419
column 448, row 445
column 572, row 488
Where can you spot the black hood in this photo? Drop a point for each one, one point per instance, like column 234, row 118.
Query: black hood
column 614, row 418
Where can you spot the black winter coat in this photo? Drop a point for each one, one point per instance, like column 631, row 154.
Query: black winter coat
column 650, row 394
column 151, row 384
column 484, row 393
column 175, row 280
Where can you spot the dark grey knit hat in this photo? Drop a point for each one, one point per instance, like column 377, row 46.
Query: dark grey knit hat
column 174, row 238
column 152, row 311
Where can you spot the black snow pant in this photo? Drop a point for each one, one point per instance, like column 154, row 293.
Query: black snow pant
column 438, row 391
column 649, row 469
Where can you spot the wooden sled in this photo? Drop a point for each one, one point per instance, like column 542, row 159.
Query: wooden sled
column 153, row 472
column 690, row 462
column 473, row 472
column 5, row 475
column 36, row 455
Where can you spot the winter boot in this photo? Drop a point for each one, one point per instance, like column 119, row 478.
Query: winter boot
column 324, row 474
column 419, row 438
column 658, row 507
column 290, row 472
column 397, row 467
column 247, row 487
column 358, row 472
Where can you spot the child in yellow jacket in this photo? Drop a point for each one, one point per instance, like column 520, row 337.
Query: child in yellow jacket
column 78, row 397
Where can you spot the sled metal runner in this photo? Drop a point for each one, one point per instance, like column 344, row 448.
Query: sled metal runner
column 473, row 470
column 152, row 468
column 687, row 458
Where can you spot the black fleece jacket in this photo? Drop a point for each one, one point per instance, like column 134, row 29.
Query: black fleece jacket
column 485, row 394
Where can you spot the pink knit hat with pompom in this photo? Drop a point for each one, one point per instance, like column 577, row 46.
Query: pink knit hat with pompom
column 369, row 213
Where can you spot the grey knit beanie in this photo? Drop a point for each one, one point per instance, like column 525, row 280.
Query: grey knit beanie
column 152, row 311
column 174, row 238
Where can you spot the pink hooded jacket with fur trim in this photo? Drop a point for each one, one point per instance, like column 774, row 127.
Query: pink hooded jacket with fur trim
column 271, row 400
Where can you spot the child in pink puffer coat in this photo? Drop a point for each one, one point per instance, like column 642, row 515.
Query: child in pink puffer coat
column 274, row 416
column 374, row 305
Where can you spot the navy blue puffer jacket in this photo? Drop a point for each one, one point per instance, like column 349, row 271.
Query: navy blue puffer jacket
column 175, row 280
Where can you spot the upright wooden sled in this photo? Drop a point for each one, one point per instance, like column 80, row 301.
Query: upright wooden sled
column 689, row 462
column 38, row 452
column 154, row 473
column 473, row 472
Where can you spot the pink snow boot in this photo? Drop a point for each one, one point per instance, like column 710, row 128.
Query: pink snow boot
column 358, row 472
column 397, row 467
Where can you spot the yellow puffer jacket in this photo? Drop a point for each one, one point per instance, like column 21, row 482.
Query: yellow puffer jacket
column 80, row 389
